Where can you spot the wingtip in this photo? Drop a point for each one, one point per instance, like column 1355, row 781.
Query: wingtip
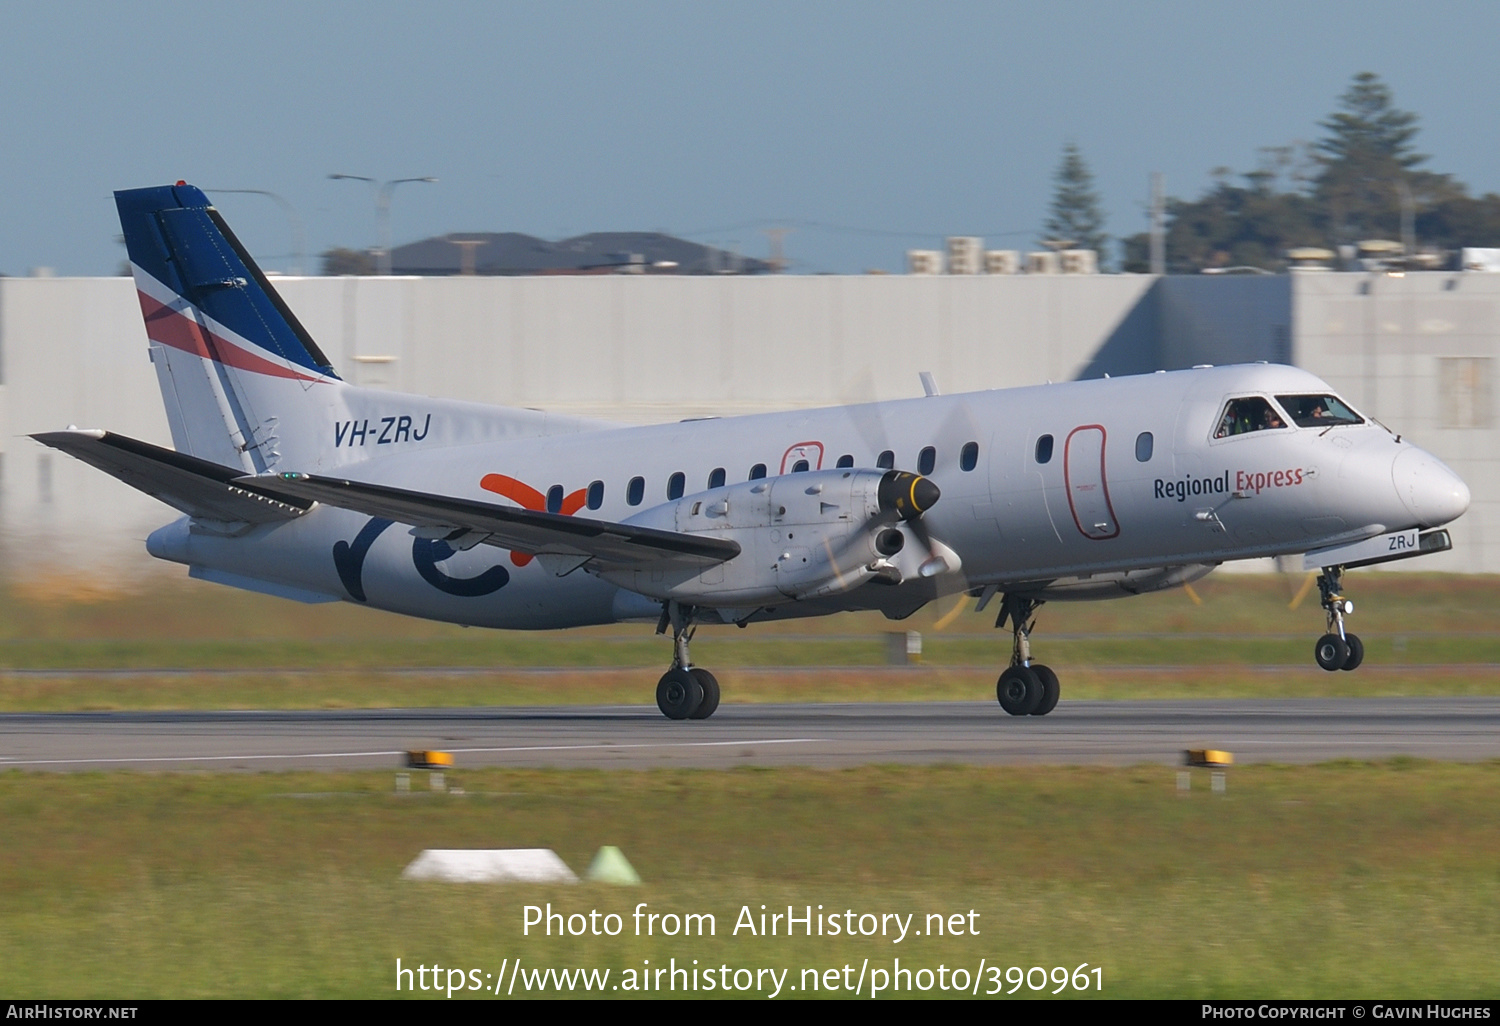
column 47, row 437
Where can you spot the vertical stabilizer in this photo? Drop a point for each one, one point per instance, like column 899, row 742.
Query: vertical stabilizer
column 231, row 358
column 244, row 384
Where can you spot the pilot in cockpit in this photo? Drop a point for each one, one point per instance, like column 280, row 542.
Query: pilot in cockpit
column 1242, row 416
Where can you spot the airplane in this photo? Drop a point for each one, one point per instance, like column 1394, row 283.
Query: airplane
column 294, row 483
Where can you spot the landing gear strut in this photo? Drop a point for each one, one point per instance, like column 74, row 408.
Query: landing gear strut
column 685, row 692
column 1338, row 649
column 1025, row 688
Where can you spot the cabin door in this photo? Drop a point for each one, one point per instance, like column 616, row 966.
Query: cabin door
column 1088, row 483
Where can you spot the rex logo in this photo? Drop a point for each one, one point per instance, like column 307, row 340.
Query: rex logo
column 426, row 554
column 349, row 557
column 527, row 497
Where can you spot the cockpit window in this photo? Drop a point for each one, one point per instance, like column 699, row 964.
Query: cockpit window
column 1242, row 416
column 1318, row 410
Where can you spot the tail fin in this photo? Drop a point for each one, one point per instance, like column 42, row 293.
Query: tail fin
column 230, row 355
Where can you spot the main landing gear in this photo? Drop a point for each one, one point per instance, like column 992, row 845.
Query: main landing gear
column 1025, row 688
column 685, row 692
column 1338, row 649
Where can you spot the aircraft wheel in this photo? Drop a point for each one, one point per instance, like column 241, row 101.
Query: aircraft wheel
column 1051, row 689
column 678, row 695
column 710, row 685
column 1332, row 652
column 1356, row 651
column 1019, row 691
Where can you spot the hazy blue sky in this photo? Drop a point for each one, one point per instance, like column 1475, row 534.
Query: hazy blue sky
column 902, row 121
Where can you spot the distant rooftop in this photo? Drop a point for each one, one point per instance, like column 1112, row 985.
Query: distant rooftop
column 500, row 253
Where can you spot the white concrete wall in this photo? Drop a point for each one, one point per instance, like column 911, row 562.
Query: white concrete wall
column 653, row 348
column 73, row 351
column 1379, row 340
column 636, row 349
column 1219, row 320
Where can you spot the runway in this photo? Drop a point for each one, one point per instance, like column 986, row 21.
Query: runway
column 635, row 737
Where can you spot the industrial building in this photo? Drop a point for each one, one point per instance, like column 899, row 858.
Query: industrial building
column 514, row 253
column 1415, row 350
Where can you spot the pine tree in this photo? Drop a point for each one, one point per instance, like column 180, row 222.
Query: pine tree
column 1367, row 159
column 1350, row 187
column 1369, row 127
column 1075, row 216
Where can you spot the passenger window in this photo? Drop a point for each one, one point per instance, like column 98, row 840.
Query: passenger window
column 1044, row 449
column 1318, row 410
column 757, row 472
column 846, row 461
column 635, row 491
column 716, row 478
column 1143, row 446
column 596, row 494
column 554, row 498
column 675, row 484
column 968, row 456
column 1242, row 416
column 886, row 460
column 926, row 460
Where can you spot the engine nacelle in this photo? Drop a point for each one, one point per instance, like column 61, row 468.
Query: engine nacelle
column 801, row 535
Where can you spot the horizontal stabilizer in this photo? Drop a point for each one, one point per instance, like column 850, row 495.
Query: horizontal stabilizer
column 197, row 487
column 605, row 545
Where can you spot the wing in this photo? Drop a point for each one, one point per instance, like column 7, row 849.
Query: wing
column 197, row 487
column 563, row 542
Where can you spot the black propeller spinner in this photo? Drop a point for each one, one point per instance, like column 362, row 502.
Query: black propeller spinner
column 909, row 495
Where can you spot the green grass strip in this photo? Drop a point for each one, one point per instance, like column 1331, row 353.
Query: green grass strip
column 1343, row 880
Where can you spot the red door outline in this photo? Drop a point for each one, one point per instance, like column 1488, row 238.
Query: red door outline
column 802, row 451
column 1085, row 488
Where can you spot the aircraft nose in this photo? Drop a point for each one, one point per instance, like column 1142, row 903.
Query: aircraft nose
column 1428, row 488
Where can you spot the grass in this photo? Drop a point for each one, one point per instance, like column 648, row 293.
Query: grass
column 175, row 643
column 337, row 689
column 1342, row 880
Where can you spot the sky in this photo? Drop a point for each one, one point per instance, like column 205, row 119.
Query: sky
column 866, row 128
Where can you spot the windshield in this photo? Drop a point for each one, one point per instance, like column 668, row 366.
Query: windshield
column 1318, row 410
column 1242, row 416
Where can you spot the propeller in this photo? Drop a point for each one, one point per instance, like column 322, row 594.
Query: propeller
column 867, row 416
column 908, row 496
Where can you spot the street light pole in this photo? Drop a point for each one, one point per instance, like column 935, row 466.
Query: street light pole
column 1158, row 225
column 1408, row 223
column 299, row 239
column 383, row 214
column 383, row 206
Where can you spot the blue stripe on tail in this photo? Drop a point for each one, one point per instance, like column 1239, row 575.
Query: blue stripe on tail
column 175, row 235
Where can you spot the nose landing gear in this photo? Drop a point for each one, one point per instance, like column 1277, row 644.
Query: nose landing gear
column 1338, row 649
column 1025, row 688
column 685, row 692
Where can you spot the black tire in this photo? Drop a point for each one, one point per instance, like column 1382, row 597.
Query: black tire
column 710, row 685
column 1051, row 689
column 1018, row 690
column 1331, row 652
column 678, row 695
column 1356, row 652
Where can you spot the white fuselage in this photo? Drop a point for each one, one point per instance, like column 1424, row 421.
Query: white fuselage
column 1108, row 512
